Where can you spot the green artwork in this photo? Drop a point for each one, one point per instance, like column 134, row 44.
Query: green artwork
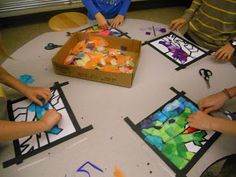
column 167, row 132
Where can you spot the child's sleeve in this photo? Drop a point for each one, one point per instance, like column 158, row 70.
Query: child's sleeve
column 124, row 7
column 90, row 7
column 192, row 9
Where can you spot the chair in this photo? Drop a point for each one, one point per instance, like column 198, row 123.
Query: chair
column 67, row 20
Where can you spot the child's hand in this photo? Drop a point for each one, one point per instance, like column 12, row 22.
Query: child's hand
column 118, row 20
column 36, row 94
column 224, row 53
column 200, row 120
column 212, row 102
column 102, row 22
column 50, row 119
column 177, row 24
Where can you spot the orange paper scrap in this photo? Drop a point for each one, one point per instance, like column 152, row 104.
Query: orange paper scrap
column 118, row 172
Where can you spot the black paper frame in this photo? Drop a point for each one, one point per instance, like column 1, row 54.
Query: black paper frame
column 180, row 66
column 121, row 32
column 78, row 130
column 184, row 171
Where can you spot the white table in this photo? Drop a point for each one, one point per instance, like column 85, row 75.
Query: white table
column 112, row 142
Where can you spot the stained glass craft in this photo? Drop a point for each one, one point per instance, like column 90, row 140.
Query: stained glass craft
column 110, row 31
column 25, row 110
column 177, row 49
column 167, row 132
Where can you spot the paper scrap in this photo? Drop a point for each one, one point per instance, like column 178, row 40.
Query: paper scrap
column 118, row 172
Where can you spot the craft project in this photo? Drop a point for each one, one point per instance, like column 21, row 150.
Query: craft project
column 178, row 50
column 167, row 132
column 25, row 110
column 110, row 31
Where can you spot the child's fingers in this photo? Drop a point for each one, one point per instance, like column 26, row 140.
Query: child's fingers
column 228, row 57
column 172, row 26
column 37, row 101
column 220, row 55
column 105, row 26
column 175, row 26
column 209, row 109
column 116, row 24
column 179, row 27
column 46, row 97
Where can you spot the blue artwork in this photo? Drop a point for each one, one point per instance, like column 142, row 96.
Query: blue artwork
column 24, row 110
column 39, row 112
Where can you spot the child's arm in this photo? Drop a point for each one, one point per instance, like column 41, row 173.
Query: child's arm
column 225, row 53
column 178, row 23
column 217, row 100
column 196, row 4
column 124, row 7
column 231, row 91
column 33, row 93
column 90, row 7
column 119, row 19
column 204, row 121
column 14, row 130
column 102, row 22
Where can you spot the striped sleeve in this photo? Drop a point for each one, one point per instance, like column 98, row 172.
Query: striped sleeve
column 214, row 24
column 192, row 9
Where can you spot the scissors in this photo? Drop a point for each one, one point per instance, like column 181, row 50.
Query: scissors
column 206, row 74
column 51, row 46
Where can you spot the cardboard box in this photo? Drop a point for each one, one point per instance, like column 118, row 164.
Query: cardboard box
column 132, row 46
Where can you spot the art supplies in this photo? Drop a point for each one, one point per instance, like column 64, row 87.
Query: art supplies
column 101, row 58
column 95, row 53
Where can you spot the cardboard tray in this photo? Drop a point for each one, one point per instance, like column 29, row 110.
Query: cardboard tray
column 133, row 48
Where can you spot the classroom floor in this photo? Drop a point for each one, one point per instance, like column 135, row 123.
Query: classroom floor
column 12, row 40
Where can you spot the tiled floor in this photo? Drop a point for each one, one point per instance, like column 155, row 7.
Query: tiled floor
column 16, row 35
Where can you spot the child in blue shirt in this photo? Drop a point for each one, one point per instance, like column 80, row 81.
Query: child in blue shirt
column 106, row 9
